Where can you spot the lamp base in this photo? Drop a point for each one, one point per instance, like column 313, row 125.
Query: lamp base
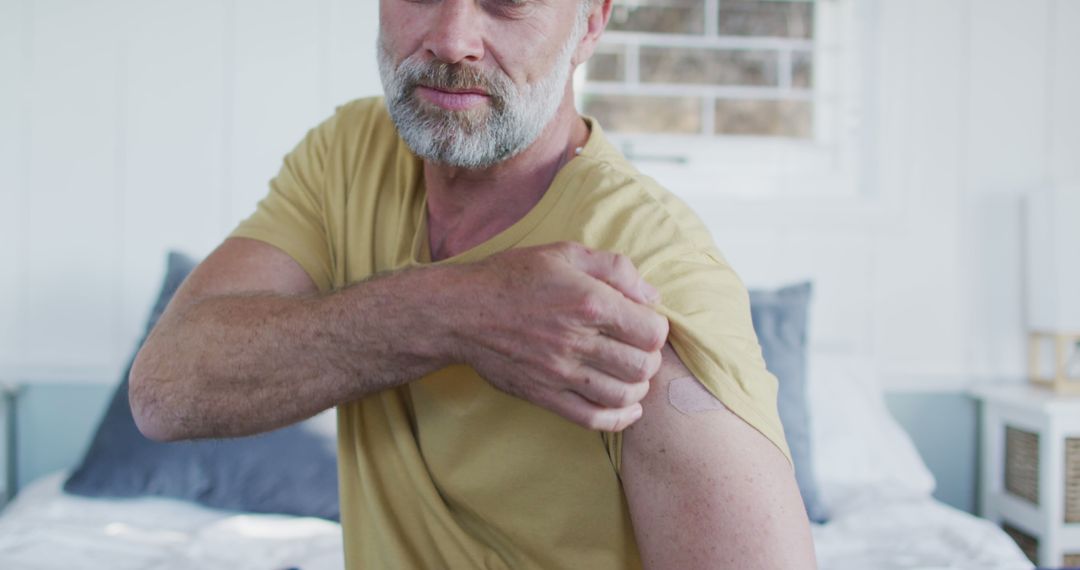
column 1066, row 348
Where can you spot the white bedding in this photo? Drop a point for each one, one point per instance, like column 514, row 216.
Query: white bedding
column 913, row 533
column 46, row 529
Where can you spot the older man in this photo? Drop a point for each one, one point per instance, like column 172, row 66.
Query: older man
column 484, row 288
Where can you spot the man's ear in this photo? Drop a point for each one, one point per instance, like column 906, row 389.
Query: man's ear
column 599, row 15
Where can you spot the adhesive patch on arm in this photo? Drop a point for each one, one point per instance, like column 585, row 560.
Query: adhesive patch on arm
column 688, row 396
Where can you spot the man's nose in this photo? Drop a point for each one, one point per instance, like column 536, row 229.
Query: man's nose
column 456, row 33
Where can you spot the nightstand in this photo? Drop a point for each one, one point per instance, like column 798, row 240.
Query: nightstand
column 1030, row 472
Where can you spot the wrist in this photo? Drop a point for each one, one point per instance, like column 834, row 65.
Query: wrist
column 448, row 312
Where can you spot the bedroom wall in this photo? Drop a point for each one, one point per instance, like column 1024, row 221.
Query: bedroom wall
column 129, row 127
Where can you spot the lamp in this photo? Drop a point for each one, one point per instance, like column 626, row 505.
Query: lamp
column 1053, row 288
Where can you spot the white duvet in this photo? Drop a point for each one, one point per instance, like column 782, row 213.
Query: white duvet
column 46, row 529
column 872, row 480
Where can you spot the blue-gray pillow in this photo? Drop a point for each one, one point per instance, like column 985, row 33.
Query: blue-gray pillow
column 292, row 470
column 780, row 320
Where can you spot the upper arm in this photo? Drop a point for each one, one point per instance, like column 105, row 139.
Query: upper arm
column 707, row 490
column 239, row 266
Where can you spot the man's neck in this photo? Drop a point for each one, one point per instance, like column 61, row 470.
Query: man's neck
column 465, row 207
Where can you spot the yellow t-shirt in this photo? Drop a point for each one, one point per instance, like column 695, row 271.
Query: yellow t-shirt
column 446, row 471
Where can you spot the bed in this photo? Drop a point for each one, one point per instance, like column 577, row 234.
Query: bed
column 46, row 529
column 269, row 502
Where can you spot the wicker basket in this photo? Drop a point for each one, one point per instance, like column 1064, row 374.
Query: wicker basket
column 1028, row 544
column 1072, row 483
column 1022, row 464
column 1072, row 560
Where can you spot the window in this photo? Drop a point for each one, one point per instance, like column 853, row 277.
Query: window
column 731, row 96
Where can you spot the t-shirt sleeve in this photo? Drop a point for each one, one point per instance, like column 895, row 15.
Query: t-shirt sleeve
column 708, row 308
column 291, row 217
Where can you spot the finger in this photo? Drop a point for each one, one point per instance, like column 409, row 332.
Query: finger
column 617, row 271
column 586, row 414
column 607, row 391
column 620, row 360
column 633, row 324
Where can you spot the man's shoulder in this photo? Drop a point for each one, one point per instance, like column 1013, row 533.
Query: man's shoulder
column 616, row 207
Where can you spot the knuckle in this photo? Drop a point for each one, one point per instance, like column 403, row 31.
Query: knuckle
column 622, row 396
column 570, row 248
column 591, row 306
column 591, row 421
column 621, row 264
column 654, row 361
column 643, row 369
column 658, row 334
column 558, row 368
column 641, row 391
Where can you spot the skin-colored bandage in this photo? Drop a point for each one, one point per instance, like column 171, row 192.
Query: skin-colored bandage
column 688, row 396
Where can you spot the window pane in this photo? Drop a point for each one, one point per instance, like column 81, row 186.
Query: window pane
column 658, row 16
column 802, row 69
column 766, row 118
column 641, row 114
column 708, row 66
column 776, row 18
column 606, row 64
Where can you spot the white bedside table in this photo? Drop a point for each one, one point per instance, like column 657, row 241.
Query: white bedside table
column 1030, row 474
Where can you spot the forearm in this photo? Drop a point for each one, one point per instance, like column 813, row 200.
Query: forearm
column 241, row 364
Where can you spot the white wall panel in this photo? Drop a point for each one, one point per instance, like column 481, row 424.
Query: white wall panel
column 1007, row 94
column 841, row 265
column 13, row 38
column 352, row 71
column 1063, row 116
column 277, row 77
column 75, row 149
column 175, row 118
column 919, row 318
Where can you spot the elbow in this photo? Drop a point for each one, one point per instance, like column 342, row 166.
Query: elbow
column 145, row 407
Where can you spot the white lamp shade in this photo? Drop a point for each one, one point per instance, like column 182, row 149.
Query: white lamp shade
column 1053, row 260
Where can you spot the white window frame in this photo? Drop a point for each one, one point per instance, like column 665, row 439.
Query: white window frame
column 828, row 164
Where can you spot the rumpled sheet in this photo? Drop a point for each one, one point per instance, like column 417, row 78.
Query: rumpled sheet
column 912, row 533
column 46, row 529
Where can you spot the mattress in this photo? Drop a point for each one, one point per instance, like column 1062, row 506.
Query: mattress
column 47, row 529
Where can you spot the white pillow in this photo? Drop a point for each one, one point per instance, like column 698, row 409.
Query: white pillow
column 861, row 455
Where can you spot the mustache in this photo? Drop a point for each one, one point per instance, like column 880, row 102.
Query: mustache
column 454, row 77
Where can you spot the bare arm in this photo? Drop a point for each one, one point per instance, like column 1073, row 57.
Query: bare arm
column 705, row 489
column 248, row 345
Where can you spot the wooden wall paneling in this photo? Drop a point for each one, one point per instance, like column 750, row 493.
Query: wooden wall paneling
column 1063, row 119
column 14, row 36
column 75, row 153
column 175, row 116
column 276, row 94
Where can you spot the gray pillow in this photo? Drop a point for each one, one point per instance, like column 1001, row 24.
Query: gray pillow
column 780, row 322
column 292, row 470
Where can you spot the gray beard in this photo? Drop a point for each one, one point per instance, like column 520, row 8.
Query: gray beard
column 476, row 138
